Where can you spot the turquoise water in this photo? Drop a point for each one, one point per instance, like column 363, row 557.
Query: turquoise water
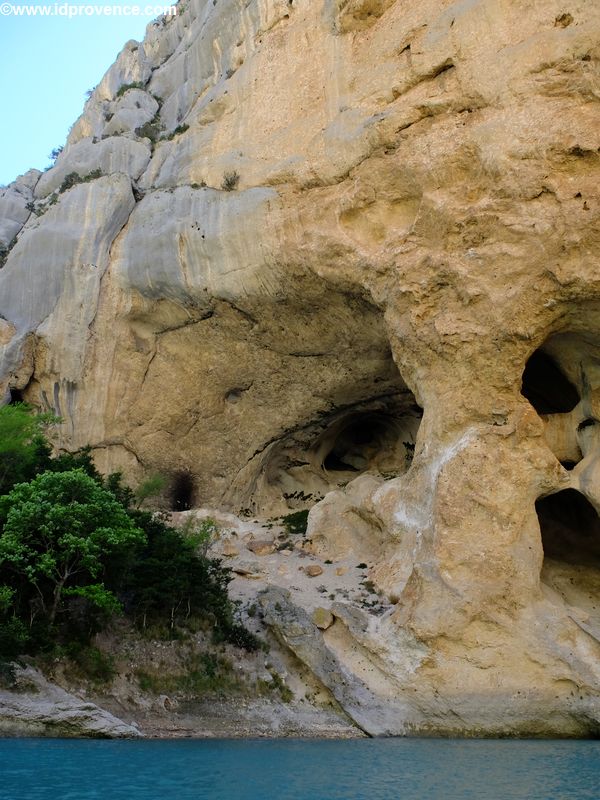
column 380, row 769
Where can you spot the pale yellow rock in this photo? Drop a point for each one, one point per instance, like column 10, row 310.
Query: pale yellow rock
column 341, row 524
column 247, row 570
column 7, row 331
column 313, row 570
column 229, row 549
column 323, row 618
column 261, row 547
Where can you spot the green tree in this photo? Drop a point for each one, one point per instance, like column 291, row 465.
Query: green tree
column 169, row 580
column 23, row 448
column 59, row 530
column 13, row 633
column 151, row 487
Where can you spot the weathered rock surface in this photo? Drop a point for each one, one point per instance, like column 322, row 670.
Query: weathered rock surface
column 14, row 211
column 40, row 708
column 110, row 156
column 378, row 211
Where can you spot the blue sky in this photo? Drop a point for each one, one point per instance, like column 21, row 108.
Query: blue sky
column 46, row 66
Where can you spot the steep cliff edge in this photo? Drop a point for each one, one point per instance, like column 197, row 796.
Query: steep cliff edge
column 291, row 244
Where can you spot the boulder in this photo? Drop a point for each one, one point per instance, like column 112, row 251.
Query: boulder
column 261, row 547
column 323, row 618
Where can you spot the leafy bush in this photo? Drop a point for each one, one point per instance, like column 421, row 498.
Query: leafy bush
column 14, row 637
column 236, row 634
column 127, row 86
column 178, row 130
column 73, row 178
column 170, row 580
column 149, row 488
column 24, row 450
column 230, row 181
column 91, row 663
column 296, row 522
column 148, row 131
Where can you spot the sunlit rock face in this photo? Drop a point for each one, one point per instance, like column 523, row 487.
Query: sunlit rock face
column 312, row 240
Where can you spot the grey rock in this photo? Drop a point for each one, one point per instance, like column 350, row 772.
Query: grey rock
column 40, row 708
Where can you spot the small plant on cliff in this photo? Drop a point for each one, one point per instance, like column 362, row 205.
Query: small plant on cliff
column 296, row 522
column 5, row 250
column 151, row 487
column 149, row 130
column 73, row 178
column 55, row 153
column 178, row 131
column 127, row 86
column 230, row 181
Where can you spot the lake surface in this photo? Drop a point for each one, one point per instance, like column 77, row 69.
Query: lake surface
column 370, row 769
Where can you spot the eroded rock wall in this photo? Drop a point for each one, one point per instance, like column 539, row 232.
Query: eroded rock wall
column 315, row 220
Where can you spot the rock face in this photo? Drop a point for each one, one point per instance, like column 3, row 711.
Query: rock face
column 39, row 708
column 313, row 240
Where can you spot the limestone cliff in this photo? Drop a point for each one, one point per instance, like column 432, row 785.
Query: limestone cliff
column 290, row 242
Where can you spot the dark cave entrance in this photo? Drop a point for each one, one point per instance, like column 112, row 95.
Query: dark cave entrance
column 557, row 382
column 16, row 396
column 377, row 435
column 182, row 491
column 547, row 387
column 353, row 444
column 570, row 528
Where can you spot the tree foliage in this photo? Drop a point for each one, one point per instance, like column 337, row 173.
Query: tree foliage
column 75, row 549
column 24, row 450
column 60, row 529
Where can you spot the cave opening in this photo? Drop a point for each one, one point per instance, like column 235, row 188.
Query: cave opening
column 547, row 387
column 560, row 380
column 182, row 491
column 16, row 396
column 570, row 528
column 357, row 443
column 376, row 435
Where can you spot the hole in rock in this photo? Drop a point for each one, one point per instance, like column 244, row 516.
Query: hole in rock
column 319, row 400
column 357, row 443
column 568, row 465
column 16, row 396
column 570, row 528
column 234, row 395
column 546, row 387
column 376, row 436
column 182, row 492
column 561, row 380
